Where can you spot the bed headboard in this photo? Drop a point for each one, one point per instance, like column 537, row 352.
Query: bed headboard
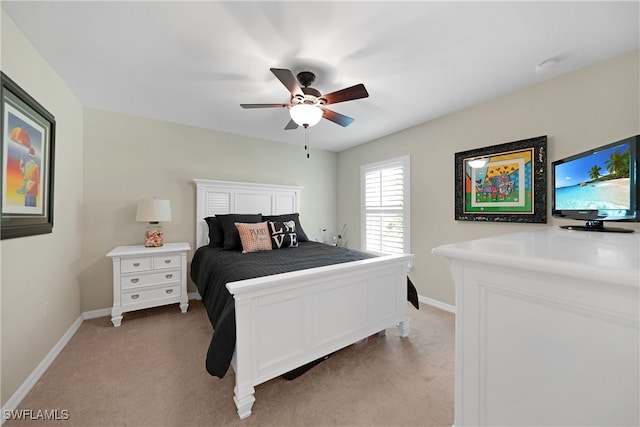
column 225, row 197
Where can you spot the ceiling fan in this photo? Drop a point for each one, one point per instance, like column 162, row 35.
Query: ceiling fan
column 307, row 104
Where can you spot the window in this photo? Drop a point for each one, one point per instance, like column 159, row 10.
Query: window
column 385, row 195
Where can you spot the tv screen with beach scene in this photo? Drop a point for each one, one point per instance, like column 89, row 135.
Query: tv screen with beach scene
column 598, row 185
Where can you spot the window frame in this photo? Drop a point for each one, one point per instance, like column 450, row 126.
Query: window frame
column 405, row 163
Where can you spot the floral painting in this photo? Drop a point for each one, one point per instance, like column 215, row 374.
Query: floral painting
column 505, row 182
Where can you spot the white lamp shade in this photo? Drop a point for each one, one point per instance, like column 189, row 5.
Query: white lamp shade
column 153, row 210
column 305, row 114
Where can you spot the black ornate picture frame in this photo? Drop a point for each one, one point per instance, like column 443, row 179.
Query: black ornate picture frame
column 28, row 143
column 503, row 183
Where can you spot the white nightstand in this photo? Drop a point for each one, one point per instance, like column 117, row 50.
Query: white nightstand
column 148, row 277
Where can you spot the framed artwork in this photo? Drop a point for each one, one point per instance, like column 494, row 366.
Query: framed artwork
column 28, row 139
column 503, row 183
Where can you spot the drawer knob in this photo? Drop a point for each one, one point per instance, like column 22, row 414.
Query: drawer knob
column 136, row 264
column 135, row 296
column 135, row 280
column 169, row 291
column 169, row 276
column 167, row 261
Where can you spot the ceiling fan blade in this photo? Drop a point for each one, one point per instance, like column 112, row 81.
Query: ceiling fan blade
column 338, row 118
column 288, row 80
column 265, row 105
column 291, row 125
column 354, row 92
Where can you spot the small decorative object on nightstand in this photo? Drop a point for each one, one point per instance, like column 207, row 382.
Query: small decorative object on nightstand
column 148, row 277
column 153, row 211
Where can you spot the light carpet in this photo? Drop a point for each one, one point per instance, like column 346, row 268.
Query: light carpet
column 151, row 372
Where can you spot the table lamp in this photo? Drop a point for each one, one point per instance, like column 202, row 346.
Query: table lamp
column 153, row 211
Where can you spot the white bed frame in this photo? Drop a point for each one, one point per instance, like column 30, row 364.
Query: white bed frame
column 286, row 320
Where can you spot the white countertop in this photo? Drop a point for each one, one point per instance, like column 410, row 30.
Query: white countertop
column 609, row 257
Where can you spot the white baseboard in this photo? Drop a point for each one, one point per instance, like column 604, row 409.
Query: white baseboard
column 42, row 367
column 437, row 304
column 94, row 314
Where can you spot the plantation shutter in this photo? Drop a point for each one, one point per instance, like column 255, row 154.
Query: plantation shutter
column 385, row 208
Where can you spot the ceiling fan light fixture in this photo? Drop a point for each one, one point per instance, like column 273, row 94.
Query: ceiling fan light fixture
column 305, row 114
column 307, row 104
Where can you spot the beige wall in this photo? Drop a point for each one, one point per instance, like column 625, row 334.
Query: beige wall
column 104, row 163
column 582, row 110
column 39, row 270
column 128, row 158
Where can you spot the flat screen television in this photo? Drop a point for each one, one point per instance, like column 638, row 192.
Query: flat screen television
column 598, row 186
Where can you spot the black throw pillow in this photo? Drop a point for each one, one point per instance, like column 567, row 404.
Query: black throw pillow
column 283, row 234
column 302, row 237
column 216, row 234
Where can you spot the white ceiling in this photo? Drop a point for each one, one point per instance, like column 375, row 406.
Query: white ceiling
column 194, row 62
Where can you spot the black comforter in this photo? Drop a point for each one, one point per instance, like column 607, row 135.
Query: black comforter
column 213, row 268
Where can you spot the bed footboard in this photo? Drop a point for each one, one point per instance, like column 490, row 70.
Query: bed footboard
column 287, row 320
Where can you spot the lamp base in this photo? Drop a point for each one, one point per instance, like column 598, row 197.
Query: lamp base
column 153, row 235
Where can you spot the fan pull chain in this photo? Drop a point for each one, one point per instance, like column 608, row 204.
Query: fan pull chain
column 306, row 141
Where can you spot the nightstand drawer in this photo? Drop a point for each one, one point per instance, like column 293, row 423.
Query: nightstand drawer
column 146, row 279
column 129, row 265
column 166, row 261
column 137, row 297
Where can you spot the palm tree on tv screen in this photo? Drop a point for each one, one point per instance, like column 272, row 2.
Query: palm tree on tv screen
column 618, row 164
